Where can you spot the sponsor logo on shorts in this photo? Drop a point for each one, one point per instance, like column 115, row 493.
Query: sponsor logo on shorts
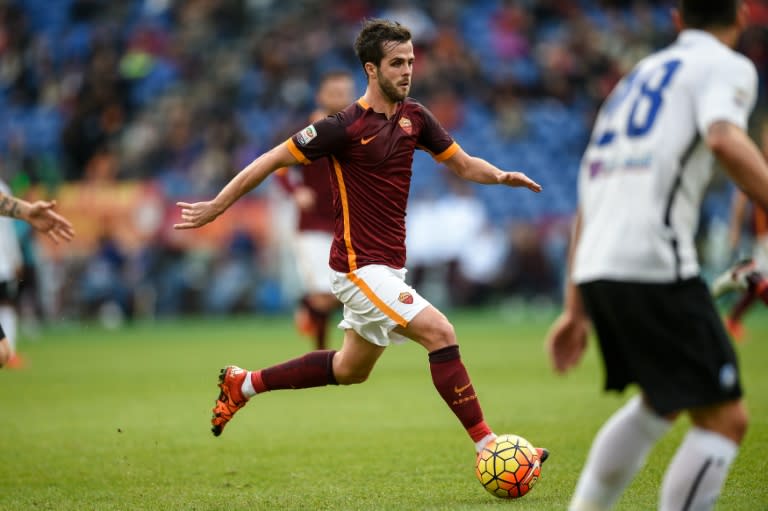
column 406, row 298
column 728, row 376
column 306, row 135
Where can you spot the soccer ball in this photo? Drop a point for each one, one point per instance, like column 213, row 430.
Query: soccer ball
column 508, row 467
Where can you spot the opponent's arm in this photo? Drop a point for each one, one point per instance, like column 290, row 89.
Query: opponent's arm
column 479, row 170
column 738, row 212
column 741, row 159
column 39, row 215
column 567, row 338
column 200, row 213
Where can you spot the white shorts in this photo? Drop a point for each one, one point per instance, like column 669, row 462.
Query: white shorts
column 313, row 249
column 376, row 300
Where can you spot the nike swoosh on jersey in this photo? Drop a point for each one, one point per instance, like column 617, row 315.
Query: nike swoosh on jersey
column 364, row 140
column 459, row 390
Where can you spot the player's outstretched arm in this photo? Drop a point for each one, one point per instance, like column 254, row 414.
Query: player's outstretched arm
column 478, row 170
column 40, row 215
column 741, row 159
column 197, row 214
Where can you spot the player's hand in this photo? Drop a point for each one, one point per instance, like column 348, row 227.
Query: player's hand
column 566, row 341
column 304, row 197
column 519, row 179
column 197, row 214
column 43, row 218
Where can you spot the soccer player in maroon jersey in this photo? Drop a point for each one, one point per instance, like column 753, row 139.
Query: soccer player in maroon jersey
column 370, row 145
column 41, row 216
column 748, row 275
column 313, row 196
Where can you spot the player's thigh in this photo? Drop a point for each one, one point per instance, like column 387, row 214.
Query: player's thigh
column 430, row 328
column 356, row 358
column 729, row 418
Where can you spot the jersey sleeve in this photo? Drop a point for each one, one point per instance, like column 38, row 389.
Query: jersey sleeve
column 319, row 139
column 729, row 95
column 435, row 139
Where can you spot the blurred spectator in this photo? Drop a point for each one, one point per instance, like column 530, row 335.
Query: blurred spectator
column 234, row 276
column 182, row 92
column 106, row 289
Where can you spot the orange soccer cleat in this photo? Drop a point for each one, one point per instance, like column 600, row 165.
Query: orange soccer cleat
column 230, row 398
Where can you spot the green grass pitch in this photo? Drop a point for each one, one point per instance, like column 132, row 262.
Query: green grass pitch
column 103, row 420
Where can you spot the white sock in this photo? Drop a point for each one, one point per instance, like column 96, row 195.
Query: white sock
column 617, row 453
column 9, row 320
column 247, row 387
column 484, row 441
column 696, row 474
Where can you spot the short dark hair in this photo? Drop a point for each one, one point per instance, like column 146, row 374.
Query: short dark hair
column 369, row 45
column 334, row 74
column 709, row 13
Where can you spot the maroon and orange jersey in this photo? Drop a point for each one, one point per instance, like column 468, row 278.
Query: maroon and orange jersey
column 371, row 158
column 317, row 177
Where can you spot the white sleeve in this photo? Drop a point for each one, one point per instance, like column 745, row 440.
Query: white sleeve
column 10, row 252
column 728, row 95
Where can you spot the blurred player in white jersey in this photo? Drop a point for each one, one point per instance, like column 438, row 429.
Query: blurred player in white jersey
column 313, row 196
column 634, row 273
column 10, row 269
column 41, row 216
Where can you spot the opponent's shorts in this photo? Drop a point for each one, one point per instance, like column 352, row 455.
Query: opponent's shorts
column 2, row 334
column 376, row 300
column 667, row 338
column 313, row 249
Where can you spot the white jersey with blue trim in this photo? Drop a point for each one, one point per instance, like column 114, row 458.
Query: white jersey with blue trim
column 643, row 177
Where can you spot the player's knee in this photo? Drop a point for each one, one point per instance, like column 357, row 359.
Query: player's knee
column 441, row 335
column 730, row 420
column 738, row 423
column 350, row 375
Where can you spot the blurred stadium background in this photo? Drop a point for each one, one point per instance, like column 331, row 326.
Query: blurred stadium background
column 120, row 108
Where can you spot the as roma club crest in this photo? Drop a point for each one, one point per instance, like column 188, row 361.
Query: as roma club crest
column 406, row 298
column 405, row 123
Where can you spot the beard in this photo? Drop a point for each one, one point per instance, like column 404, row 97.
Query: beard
column 390, row 90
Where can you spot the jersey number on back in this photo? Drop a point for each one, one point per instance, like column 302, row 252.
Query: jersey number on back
column 646, row 104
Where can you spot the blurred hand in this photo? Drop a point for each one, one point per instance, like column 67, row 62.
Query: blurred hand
column 42, row 217
column 566, row 342
column 518, row 179
column 304, row 197
column 197, row 214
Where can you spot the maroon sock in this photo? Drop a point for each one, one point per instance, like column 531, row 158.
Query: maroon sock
column 315, row 369
column 452, row 382
column 744, row 303
column 321, row 332
column 319, row 321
